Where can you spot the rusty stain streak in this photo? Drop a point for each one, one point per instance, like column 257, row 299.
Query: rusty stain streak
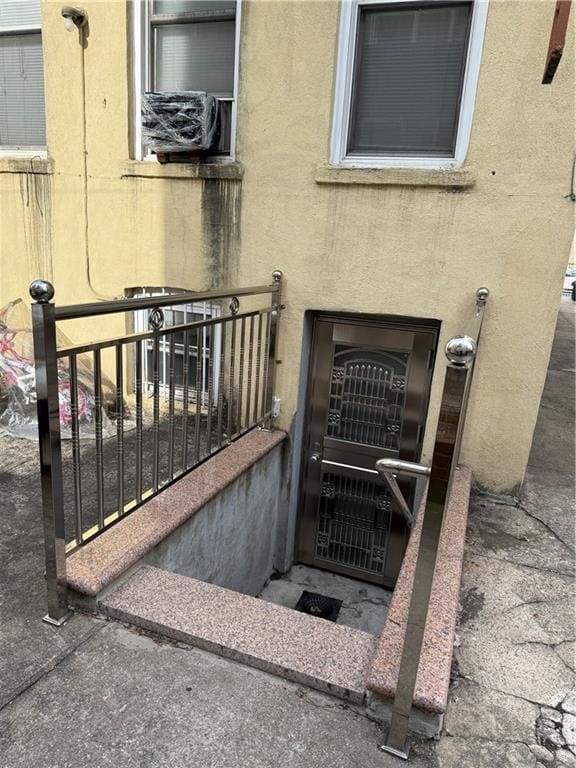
column 557, row 39
column 36, row 195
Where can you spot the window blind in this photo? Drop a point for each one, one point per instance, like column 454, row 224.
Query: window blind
column 409, row 69
column 20, row 14
column 195, row 57
column 22, row 121
column 200, row 7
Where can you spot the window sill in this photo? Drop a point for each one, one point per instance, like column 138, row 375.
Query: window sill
column 33, row 164
column 146, row 169
column 398, row 177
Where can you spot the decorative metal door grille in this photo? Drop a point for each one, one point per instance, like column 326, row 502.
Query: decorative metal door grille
column 353, row 523
column 367, row 392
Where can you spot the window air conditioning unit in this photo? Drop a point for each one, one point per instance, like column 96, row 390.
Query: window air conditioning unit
column 181, row 123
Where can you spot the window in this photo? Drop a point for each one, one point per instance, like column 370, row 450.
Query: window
column 210, row 340
column 22, row 121
column 189, row 45
column 406, row 82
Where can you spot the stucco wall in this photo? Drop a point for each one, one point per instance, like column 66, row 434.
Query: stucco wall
column 374, row 248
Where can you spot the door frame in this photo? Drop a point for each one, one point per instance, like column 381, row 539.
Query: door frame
column 389, row 322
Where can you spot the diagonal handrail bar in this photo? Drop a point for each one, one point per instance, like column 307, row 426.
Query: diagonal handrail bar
column 388, row 469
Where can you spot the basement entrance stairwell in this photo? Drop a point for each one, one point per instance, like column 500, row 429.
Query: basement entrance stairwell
column 175, row 518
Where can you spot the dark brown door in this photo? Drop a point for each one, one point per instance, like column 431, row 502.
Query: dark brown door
column 368, row 397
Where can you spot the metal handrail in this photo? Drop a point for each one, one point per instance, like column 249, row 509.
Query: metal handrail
column 92, row 309
column 388, row 469
column 344, row 467
column 245, row 365
column 90, row 346
column 388, row 475
column 461, row 355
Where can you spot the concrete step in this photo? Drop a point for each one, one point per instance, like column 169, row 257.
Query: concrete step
column 320, row 654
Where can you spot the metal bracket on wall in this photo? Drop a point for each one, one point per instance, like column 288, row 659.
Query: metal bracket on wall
column 557, row 39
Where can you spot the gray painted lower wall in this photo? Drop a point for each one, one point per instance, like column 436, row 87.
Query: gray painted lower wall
column 234, row 540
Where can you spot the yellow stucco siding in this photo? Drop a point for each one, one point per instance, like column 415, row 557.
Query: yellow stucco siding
column 380, row 247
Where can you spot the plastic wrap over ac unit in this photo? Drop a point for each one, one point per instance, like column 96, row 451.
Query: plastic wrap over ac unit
column 179, row 121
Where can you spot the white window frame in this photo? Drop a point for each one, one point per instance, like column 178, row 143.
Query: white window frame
column 141, row 78
column 349, row 14
column 141, row 325
column 26, row 150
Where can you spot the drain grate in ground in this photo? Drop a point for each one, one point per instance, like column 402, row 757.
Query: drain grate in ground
column 319, row 605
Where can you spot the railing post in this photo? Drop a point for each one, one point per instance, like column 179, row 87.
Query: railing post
column 273, row 348
column 460, row 354
column 46, row 368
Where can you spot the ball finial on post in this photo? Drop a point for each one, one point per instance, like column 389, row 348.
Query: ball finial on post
column 41, row 291
column 277, row 276
column 482, row 296
column 461, row 350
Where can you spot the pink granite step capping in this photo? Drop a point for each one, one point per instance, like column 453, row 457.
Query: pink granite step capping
column 433, row 680
column 99, row 563
column 320, row 654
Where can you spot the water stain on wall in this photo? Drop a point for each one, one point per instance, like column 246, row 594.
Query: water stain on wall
column 221, row 207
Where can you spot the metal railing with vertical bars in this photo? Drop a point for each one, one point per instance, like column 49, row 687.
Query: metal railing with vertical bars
column 144, row 408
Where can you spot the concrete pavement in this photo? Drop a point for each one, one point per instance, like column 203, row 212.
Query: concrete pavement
column 511, row 702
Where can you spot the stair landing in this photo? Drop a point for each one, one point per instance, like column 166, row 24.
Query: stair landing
column 329, row 657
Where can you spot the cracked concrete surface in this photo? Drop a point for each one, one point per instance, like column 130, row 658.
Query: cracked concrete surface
column 96, row 694
column 512, row 699
column 125, row 700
